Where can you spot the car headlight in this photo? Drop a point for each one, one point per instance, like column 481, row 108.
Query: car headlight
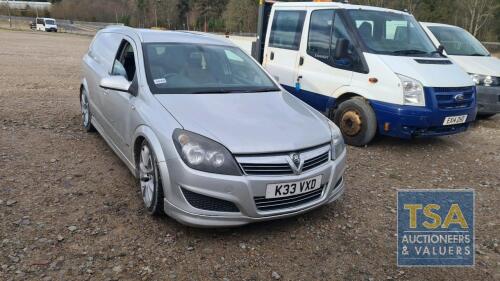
column 484, row 80
column 413, row 91
column 338, row 144
column 203, row 154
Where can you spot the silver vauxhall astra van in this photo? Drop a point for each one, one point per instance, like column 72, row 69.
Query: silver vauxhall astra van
column 213, row 140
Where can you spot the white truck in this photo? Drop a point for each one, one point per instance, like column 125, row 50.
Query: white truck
column 466, row 51
column 46, row 24
column 368, row 69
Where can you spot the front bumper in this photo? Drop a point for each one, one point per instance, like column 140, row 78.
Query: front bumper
column 240, row 190
column 488, row 99
column 415, row 121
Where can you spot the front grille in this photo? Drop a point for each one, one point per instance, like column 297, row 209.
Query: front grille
column 277, row 165
column 445, row 97
column 316, row 161
column 267, row 169
column 264, row 204
column 208, row 203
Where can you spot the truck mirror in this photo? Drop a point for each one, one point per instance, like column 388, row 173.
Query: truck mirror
column 440, row 49
column 341, row 51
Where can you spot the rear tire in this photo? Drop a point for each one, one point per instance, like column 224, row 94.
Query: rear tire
column 150, row 180
column 356, row 120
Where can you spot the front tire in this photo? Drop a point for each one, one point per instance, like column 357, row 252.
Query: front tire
column 86, row 113
column 150, row 180
column 357, row 121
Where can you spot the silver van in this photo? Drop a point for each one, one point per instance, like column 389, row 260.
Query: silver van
column 213, row 140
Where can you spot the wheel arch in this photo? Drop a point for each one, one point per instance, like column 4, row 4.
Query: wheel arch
column 342, row 98
column 142, row 133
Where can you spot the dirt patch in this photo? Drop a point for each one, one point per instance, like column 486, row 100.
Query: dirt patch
column 70, row 210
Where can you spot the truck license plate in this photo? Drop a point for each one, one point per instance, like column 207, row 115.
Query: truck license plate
column 453, row 120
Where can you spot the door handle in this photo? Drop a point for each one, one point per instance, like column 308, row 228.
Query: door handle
column 301, row 61
column 272, row 56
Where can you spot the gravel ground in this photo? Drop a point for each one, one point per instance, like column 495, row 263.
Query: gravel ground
column 70, row 210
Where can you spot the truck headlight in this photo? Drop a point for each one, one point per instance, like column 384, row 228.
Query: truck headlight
column 482, row 80
column 338, row 144
column 203, row 154
column 413, row 91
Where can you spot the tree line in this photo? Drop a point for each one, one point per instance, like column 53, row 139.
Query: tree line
column 479, row 17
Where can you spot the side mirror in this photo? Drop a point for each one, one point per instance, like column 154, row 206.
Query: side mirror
column 116, row 83
column 341, row 51
column 441, row 49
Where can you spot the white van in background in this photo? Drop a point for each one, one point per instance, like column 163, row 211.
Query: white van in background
column 466, row 51
column 46, row 24
column 368, row 69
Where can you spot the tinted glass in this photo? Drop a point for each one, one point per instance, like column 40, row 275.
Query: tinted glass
column 124, row 64
column 51, row 22
column 459, row 42
column 391, row 33
column 178, row 68
column 286, row 30
column 325, row 29
column 320, row 31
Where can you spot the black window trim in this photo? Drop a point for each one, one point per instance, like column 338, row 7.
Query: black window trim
column 119, row 52
column 341, row 13
column 304, row 14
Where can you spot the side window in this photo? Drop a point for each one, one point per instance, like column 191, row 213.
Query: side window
column 124, row 63
column 320, row 35
column 286, row 30
column 326, row 28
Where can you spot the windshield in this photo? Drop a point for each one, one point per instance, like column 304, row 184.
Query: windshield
column 178, row 68
column 392, row 33
column 457, row 41
column 51, row 22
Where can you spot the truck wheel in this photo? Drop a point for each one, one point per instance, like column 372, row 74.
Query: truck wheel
column 356, row 120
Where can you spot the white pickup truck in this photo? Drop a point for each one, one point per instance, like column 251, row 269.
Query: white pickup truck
column 371, row 70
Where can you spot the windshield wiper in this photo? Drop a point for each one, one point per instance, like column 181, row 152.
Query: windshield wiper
column 223, row 91
column 263, row 90
column 410, row 52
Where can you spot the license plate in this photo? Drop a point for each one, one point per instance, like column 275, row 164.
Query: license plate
column 453, row 120
column 278, row 190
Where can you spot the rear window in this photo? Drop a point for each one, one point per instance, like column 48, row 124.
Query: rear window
column 286, row 30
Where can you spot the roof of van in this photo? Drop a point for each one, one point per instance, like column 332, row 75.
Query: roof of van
column 334, row 5
column 162, row 36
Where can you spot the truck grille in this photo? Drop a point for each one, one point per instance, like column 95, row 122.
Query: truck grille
column 445, row 97
column 274, row 165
